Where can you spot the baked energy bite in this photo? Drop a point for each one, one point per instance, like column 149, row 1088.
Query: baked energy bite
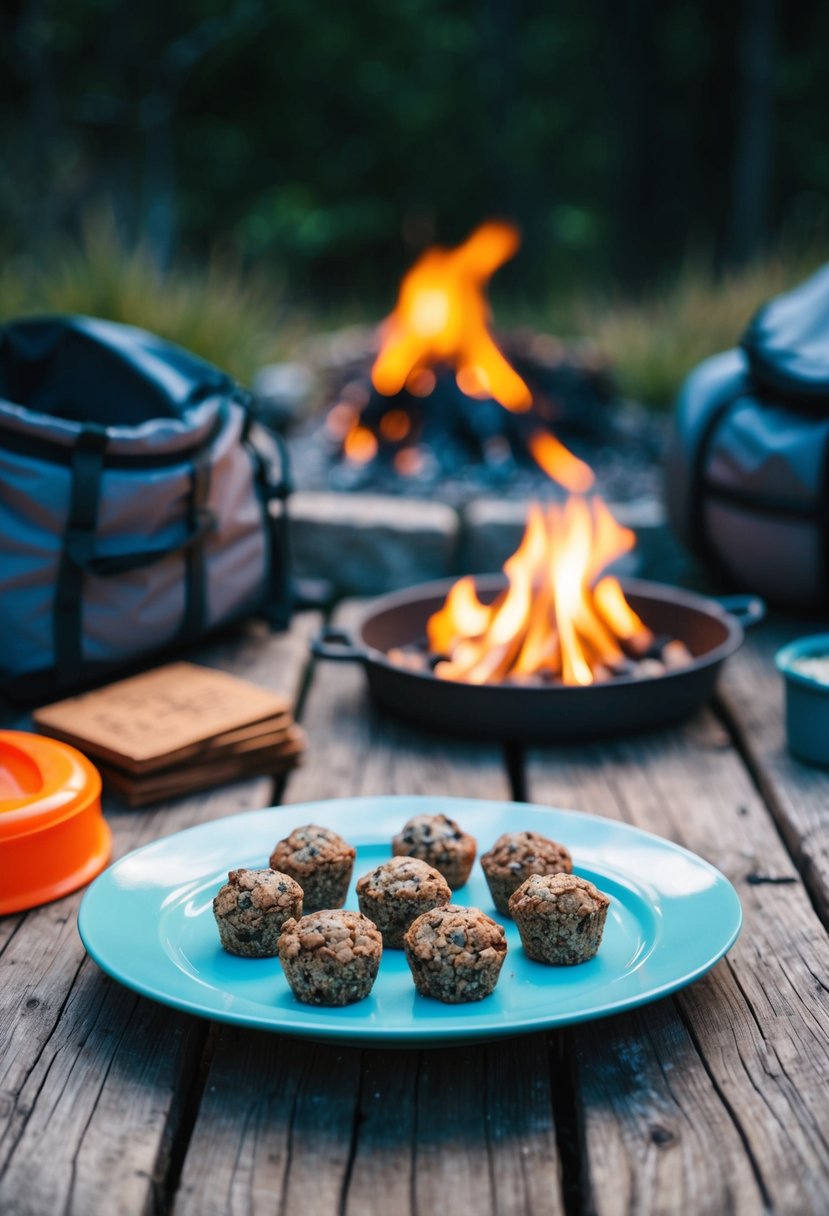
column 560, row 918
column 517, row 855
column 440, row 842
column 330, row 957
column 455, row 954
column 395, row 893
column 320, row 861
column 251, row 909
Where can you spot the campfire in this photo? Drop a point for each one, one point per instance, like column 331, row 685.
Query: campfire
column 557, row 647
column 443, row 393
column 442, row 318
column 551, row 619
column 559, row 620
column 560, row 617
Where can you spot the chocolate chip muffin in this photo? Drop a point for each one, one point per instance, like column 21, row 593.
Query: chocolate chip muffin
column 320, row 861
column 560, row 917
column 455, row 954
column 330, row 957
column 517, row 855
column 251, row 909
column 395, row 893
column 441, row 843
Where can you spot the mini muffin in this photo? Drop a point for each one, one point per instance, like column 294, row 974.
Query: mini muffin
column 514, row 857
column 320, row 861
column 437, row 840
column 330, row 957
column 251, row 909
column 395, row 893
column 560, row 918
column 455, row 954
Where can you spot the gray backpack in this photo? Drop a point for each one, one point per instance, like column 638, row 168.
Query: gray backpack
column 140, row 503
column 748, row 464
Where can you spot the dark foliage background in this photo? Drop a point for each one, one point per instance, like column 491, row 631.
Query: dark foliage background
column 328, row 140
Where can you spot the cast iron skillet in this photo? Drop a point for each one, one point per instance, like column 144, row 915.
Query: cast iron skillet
column 711, row 629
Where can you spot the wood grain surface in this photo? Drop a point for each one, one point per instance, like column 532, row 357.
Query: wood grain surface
column 715, row 1100
column 400, row 1130
column 710, row 1101
column 95, row 1081
column 751, row 693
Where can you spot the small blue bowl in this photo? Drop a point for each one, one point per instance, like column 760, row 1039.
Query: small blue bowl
column 807, row 700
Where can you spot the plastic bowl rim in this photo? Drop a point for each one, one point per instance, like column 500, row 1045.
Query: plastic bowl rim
column 814, row 645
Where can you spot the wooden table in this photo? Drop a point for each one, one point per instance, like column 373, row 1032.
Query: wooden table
column 713, row 1100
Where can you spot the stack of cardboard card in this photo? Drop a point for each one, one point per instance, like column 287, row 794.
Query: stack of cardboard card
column 177, row 729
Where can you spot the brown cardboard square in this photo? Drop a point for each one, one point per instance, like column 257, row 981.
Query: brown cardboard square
column 150, row 716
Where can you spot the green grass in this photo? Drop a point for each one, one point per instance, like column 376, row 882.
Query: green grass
column 235, row 320
column 653, row 342
column 240, row 320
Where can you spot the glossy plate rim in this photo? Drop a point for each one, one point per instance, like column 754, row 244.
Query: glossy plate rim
column 122, row 894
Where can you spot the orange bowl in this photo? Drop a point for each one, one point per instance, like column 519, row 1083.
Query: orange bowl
column 53, row 836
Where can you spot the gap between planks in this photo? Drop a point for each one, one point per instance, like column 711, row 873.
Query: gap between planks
column 97, row 1084
column 797, row 795
column 337, row 1130
column 713, row 1100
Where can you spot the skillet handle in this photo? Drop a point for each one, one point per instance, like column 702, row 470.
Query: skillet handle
column 748, row 609
column 336, row 645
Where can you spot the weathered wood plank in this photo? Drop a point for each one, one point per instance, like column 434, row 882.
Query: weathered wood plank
column 452, row 1145
column 650, row 1118
column 358, row 748
column 93, row 1079
column 384, row 1167
column 751, row 692
column 470, row 1127
column 9, row 925
column 94, row 1112
column 715, row 1100
column 525, row 1171
column 324, row 1117
column 470, row 1123
column 274, row 1129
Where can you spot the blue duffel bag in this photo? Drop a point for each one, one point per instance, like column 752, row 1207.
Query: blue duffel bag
column 141, row 505
column 748, row 463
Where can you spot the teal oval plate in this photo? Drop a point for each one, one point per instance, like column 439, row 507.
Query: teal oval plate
column 148, row 922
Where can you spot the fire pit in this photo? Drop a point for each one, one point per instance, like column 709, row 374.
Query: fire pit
column 711, row 630
column 436, row 403
column 436, row 399
column 559, row 648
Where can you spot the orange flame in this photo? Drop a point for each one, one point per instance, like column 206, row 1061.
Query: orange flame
column 441, row 316
column 558, row 462
column 550, row 618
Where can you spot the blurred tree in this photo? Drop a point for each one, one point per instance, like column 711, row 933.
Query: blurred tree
column 753, row 139
column 331, row 141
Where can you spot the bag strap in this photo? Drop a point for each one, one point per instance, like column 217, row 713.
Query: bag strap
column 193, row 620
column 280, row 598
column 274, row 492
column 113, row 564
column 77, row 549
